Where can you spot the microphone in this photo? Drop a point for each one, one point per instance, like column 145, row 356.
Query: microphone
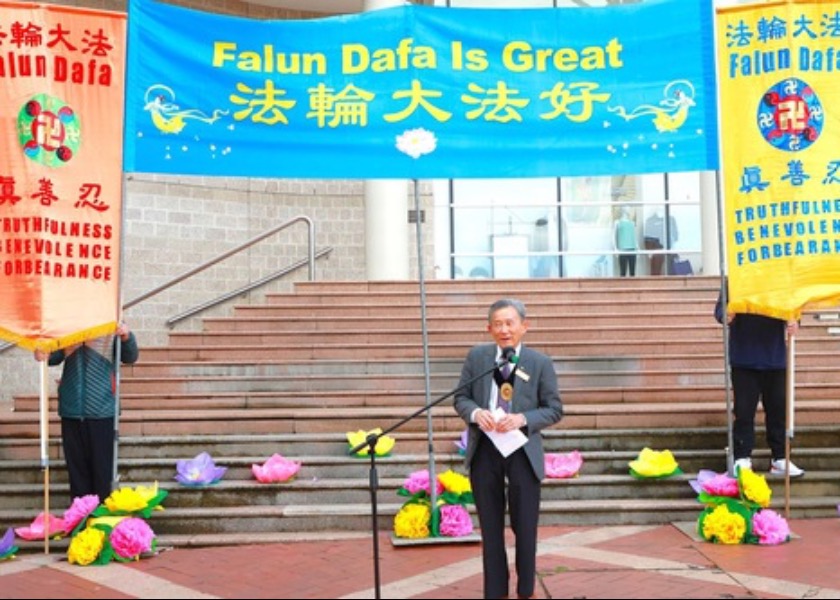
column 509, row 355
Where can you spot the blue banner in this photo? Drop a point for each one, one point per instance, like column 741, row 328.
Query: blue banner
column 423, row 92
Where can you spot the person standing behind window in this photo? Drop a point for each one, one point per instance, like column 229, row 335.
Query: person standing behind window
column 532, row 403
column 87, row 407
column 625, row 243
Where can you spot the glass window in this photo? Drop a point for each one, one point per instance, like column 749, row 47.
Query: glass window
column 505, row 228
column 610, row 226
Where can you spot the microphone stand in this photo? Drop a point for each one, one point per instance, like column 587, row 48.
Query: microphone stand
column 373, row 438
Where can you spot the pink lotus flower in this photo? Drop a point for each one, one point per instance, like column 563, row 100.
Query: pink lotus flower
column 276, row 469
column 715, row 484
column 131, row 537
column 79, row 510
column 560, row 466
column 419, row 482
column 770, row 527
column 36, row 530
column 455, row 520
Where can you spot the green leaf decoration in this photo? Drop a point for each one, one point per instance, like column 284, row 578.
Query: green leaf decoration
column 676, row 471
column 434, row 526
column 711, row 499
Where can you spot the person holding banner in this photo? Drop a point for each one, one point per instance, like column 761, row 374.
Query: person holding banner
column 758, row 368
column 87, row 407
column 505, row 408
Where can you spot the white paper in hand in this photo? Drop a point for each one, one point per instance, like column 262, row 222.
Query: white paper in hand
column 509, row 442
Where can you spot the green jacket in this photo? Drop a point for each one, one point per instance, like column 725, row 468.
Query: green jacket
column 88, row 380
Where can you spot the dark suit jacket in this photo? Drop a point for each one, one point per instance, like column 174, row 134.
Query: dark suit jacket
column 538, row 398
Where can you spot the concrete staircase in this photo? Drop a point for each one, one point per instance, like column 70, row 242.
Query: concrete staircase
column 639, row 364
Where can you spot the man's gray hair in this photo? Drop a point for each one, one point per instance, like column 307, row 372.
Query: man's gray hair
column 518, row 305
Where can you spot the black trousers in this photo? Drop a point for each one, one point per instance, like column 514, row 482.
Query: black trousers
column 749, row 386
column 627, row 263
column 498, row 482
column 89, row 452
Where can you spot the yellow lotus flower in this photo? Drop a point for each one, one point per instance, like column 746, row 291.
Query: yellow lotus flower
column 455, row 482
column 108, row 521
column 126, row 500
column 384, row 444
column 653, row 463
column 148, row 493
column 86, row 546
column 754, row 487
column 412, row 521
column 724, row 526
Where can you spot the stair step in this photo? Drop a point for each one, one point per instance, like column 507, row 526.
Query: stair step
column 294, row 373
column 603, row 416
column 258, row 524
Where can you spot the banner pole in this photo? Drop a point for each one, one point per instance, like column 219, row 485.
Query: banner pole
column 789, row 412
column 724, row 295
column 426, row 367
column 44, row 403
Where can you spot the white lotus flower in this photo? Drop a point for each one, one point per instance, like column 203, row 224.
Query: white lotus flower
column 416, row 142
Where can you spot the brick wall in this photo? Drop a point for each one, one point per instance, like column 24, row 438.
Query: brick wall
column 174, row 224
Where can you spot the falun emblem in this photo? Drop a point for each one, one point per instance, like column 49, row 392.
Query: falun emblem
column 790, row 115
column 48, row 130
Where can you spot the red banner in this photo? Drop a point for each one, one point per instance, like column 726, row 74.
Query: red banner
column 62, row 74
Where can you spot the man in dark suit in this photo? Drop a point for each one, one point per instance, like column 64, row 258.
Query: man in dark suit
column 499, row 403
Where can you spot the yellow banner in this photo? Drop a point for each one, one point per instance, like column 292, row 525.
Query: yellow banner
column 779, row 81
column 62, row 78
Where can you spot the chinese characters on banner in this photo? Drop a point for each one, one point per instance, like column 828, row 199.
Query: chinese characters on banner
column 61, row 100
column 423, row 92
column 779, row 77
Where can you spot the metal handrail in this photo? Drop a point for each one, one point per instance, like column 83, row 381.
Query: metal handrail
column 244, row 289
column 178, row 279
column 231, row 252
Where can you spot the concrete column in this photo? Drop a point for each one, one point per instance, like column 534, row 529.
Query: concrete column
column 386, row 229
column 386, row 214
column 377, row 4
column 709, row 230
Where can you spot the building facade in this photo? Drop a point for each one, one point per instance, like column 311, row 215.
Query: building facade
column 387, row 229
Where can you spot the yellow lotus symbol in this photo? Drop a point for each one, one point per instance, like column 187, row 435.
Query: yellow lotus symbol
column 652, row 463
column 384, row 444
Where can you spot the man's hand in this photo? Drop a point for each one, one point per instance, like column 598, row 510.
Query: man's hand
column 508, row 422
column 123, row 331
column 511, row 421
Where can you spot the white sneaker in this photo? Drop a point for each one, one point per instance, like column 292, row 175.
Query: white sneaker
column 742, row 463
column 777, row 467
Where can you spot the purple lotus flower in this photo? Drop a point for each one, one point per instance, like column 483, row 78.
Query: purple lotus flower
column 7, row 545
column 461, row 444
column 200, row 470
column 455, row 521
